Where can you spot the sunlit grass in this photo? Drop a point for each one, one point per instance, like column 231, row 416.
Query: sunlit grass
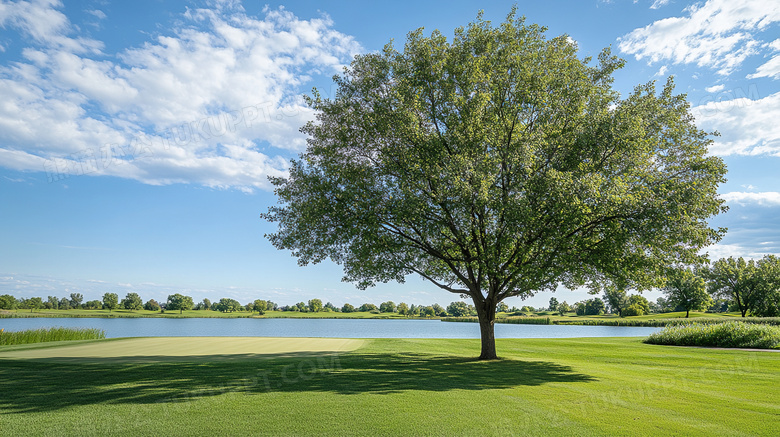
column 555, row 387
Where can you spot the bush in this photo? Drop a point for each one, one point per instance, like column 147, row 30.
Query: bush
column 49, row 334
column 729, row 334
column 633, row 310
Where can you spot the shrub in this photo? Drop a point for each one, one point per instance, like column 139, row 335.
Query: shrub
column 729, row 334
column 633, row 310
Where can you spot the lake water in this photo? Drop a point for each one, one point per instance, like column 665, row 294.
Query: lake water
column 338, row 328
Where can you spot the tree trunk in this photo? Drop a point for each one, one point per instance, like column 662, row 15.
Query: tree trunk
column 486, row 313
column 687, row 313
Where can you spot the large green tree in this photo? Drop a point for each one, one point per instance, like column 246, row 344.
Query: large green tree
column 110, row 301
column 132, row 301
column 497, row 164
column 738, row 280
column 33, row 303
column 315, row 305
column 179, row 302
column 768, row 304
column 7, row 302
column 616, row 299
column 687, row 290
column 227, row 305
column 75, row 300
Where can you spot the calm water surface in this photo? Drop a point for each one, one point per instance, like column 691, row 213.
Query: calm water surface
column 339, row 328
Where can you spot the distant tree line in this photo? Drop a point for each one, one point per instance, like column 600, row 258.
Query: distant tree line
column 181, row 303
column 748, row 286
column 730, row 284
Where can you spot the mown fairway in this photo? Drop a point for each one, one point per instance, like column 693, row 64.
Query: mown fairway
column 386, row 387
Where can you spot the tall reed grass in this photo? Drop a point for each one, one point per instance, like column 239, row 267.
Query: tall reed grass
column 729, row 334
column 49, row 334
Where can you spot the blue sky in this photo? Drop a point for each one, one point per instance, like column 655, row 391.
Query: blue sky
column 136, row 138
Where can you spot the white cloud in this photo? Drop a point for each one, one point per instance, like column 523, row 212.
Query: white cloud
column 719, row 34
column 97, row 13
column 41, row 21
column 715, row 88
column 747, row 126
column 718, row 251
column 770, row 68
column 770, row 198
column 659, row 3
column 196, row 105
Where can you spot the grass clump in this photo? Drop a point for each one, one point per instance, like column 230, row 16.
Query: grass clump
column 49, row 334
column 729, row 334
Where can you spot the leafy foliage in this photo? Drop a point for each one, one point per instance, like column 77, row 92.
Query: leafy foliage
column 747, row 284
column 227, row 305
column 616, row 299
column 768, row 302
column 132, row 301
column 458, row 309
column 7, row 302
column 687, row 290
column 315, row 305
column 152, row 305
column 75, row 300
column 110, row 301
column 387, row 307
column 93, row 305
column 179, row 302
column 638, row 305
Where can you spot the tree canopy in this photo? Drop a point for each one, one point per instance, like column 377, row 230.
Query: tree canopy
column 110, row 301
column 749, row 284
column 687, row 290
column 227, row 305
column 179, row 302
column 132, row 301
column 616, row 299
column 494, row 165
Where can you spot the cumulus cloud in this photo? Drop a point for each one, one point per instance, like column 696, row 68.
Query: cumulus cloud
column 719, row 34
column 747, row 124
column 770, row 69
column 771, row 198
column 42, row 22
column 718, row 251
column 216, row 101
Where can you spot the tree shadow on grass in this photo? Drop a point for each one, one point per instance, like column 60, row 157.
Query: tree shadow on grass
column 37, row 385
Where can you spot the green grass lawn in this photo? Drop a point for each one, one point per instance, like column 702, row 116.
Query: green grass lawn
column 566, row 387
